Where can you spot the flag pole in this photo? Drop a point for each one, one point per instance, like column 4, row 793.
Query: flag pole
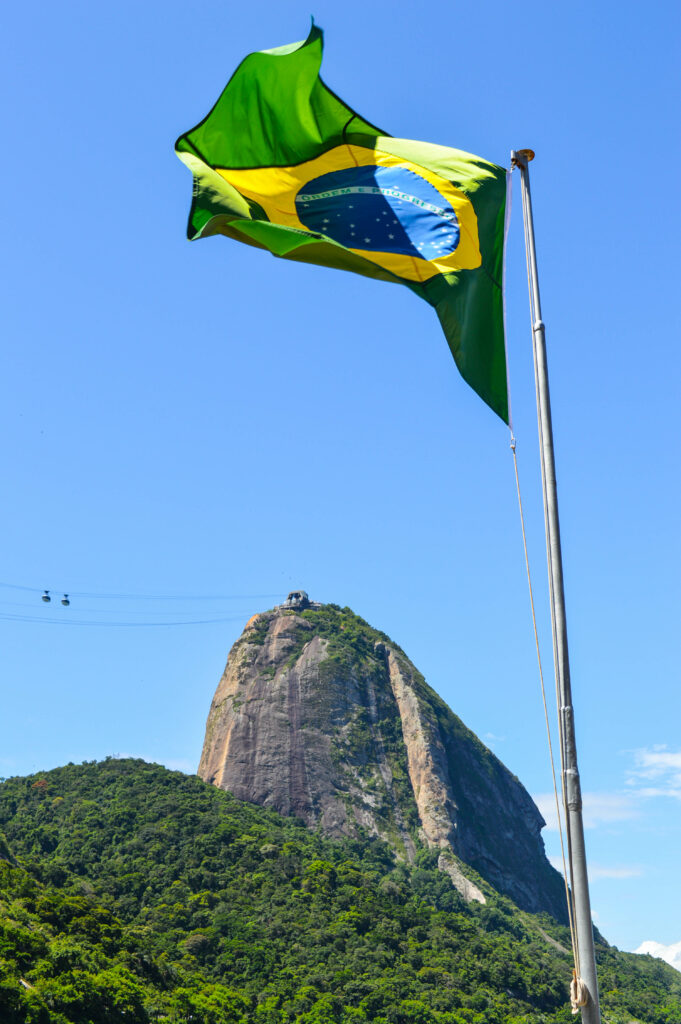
column 572, row 797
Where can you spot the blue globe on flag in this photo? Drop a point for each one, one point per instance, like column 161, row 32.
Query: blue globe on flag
column 380, row 209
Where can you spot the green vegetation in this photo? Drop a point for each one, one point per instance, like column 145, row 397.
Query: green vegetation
column 343, row 628
column 129, row 893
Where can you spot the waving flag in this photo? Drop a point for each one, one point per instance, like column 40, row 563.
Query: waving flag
column 281, row 163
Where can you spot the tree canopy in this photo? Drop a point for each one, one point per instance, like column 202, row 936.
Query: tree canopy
column 130, row 893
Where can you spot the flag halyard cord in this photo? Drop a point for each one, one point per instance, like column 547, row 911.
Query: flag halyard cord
column 552, row 762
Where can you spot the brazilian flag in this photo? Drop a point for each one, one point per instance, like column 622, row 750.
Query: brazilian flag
column 281, row 163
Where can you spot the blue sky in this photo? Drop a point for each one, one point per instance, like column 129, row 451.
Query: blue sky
column 190, row 431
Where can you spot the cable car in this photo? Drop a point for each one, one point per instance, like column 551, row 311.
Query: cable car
column 46, row 597
column 65, row 600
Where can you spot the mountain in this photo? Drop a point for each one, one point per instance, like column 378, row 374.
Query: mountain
column 322, row 717
column 130, row 894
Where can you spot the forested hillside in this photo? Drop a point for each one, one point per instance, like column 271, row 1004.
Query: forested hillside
column 130, row 893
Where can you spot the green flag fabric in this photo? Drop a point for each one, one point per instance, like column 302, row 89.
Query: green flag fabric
column 281, row 163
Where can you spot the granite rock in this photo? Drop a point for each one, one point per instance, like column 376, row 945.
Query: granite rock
column 321, row 717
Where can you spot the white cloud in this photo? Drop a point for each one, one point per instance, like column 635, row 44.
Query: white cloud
column 603, row 871
column 660, row 768
column 547, row 808
column 672, row 953
column 651, row 791
column 597, row 871
column 656, row 772
column 597, row 809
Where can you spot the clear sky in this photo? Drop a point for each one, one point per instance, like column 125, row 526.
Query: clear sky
column 189, row 431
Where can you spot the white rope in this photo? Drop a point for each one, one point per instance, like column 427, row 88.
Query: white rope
column 579, row 993
column 573, row 933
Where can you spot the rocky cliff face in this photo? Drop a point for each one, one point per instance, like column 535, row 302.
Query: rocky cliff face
column 322, row 717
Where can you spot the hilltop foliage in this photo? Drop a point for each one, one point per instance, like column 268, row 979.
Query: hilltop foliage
column 129, row 893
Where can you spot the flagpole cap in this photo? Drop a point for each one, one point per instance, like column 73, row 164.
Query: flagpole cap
column 528, row 154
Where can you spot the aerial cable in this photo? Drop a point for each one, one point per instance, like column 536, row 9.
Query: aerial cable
column 28, row 607
column 68, row 621
column 145, row 597
column 178, row 597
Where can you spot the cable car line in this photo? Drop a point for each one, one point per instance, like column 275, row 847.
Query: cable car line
column 141, row 597
column 11, row 617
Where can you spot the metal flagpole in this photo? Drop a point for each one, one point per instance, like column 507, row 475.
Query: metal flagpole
column 572, row 796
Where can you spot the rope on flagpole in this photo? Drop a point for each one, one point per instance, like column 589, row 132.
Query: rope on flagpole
column 575, row 996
